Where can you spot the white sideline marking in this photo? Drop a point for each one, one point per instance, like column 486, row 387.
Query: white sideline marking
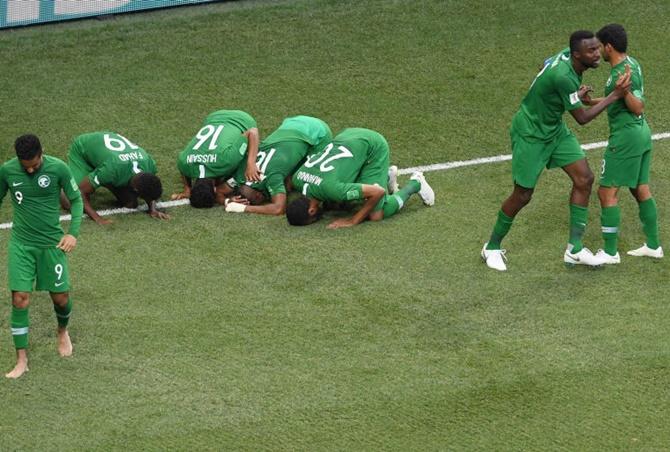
column 424, row 168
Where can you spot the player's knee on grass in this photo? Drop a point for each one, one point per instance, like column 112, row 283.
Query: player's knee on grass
column 203, row 195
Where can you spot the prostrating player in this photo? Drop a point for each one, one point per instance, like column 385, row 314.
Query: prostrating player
column 213, row 155
column 541, row 139
column 628, row 155
column 110, row 160
column 38, row 245
column 354, row 166
column 279, row 156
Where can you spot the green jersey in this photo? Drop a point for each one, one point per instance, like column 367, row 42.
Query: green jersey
column 284, row 149
column 219, row 146
column 630, row 135
column 36, row 201
column 108, row 159
column 336, row 173
column 553, row 92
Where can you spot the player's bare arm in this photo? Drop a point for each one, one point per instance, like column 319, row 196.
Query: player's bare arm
column 87, row 190
column 372, row 195
column 584, row 116
column 277, row 206
column 252, row 173
column 634, row 103
column 67, row 243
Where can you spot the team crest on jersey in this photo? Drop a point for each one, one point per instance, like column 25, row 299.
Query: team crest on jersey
column 43, row 181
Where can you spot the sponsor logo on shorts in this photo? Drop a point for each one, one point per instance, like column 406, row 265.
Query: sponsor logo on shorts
column 43, row 181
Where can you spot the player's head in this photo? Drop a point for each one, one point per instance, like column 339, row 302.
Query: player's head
column 148, row 187
column 585, row 48
column 29, row 152
column 612, row 37
column 303, row 211
column 255, row 197
column 203, row 194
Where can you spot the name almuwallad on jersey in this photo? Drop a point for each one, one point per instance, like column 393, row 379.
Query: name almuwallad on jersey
column 309, row 178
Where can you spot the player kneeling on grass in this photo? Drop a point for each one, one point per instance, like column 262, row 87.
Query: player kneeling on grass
column 38, row 245
column 214, row 154
column 627, row 158
column 353, row 167
column 110, row 160
column 279, row 155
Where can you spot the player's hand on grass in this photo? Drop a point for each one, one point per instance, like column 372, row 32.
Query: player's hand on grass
column 182, row 195
column 240, row 200
column 159, row 215
column 103, row 221
column 67, row 243
column 235, row 207
column 341, row 223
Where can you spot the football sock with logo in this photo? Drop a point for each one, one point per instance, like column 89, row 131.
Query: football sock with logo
column 610, row 218
column 578, row 217
column 63, row 314
column 19, row 323
column 500, row 230
column 393, row 203
column 649, row 219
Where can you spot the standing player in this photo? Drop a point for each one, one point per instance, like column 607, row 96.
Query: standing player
column 354, row 166
column 279, row 156
column 541, row 139
column 111, row 160
column 628, row 155
column 38, row 245
column 213, row 155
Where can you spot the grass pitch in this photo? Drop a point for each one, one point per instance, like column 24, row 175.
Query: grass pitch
column 226, row 332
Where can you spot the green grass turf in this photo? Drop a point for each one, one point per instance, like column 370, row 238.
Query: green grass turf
column 216, row 331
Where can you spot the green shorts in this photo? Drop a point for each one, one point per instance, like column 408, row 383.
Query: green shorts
column 45, row 267
column 529, row 158
column 79, row 167
column 625, row 172
column 376, row 171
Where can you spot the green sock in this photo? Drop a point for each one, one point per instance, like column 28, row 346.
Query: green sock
column 649, row 218
column 500, row 230
column 63, row 314
column 610, row 219
column 20, row 322
column 578, row 217
column 393, row 203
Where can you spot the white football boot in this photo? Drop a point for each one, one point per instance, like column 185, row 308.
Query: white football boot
column 426, row 193
column 583, row 257
column 393, row 179
column 494, row 259
column 644, row 250
column 608, row 259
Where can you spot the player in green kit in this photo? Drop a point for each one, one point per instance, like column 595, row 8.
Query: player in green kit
column 628, row 155
column 110, row 160
column 353, row 167
column 38, row 246
column 212, row 156
column 541, row 139
column 279, row 156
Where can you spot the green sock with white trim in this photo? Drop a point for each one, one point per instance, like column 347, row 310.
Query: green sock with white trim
column 19, row 323
column 610, row 219
column 63, row 314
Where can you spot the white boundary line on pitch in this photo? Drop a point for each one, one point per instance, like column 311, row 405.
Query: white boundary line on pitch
column 425, row 168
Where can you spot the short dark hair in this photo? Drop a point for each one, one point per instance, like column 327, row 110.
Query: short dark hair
column 149, row 187
column 615, row 35
column 577, row 37
column 27, row 147
column 297, row 212
column 202, row 194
